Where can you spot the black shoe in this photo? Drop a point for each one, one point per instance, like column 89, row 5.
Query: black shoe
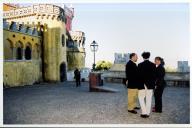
column 132, row 111
column 137, row 108
column 144, row 116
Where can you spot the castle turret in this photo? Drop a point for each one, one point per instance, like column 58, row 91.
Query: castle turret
column 76, row 50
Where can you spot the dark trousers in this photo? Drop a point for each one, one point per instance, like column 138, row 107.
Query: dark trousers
column 78, row 82
column 158, row 98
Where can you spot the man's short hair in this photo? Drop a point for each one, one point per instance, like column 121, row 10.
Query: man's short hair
column 146, row 55
column 132, row 55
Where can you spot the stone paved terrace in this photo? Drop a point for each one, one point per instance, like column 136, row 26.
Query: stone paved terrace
column 63, row 103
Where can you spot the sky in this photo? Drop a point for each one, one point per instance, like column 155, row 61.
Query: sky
column 162, row 29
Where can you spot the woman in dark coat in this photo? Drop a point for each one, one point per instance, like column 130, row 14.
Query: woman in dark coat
column 160, row 84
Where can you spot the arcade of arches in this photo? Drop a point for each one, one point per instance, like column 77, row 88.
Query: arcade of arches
column 21, row 59
column 21, row 50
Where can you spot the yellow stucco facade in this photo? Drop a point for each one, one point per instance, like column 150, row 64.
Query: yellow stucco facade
column 19, row 71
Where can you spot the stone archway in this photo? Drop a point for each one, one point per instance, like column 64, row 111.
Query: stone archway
column 63, row 72
column 28, row 51
column 19, row 50
column 19, row 53
column 8, row 49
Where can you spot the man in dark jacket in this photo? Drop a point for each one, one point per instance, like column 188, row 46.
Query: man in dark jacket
column 147, row 77
column 132, row 82
column 77, row 76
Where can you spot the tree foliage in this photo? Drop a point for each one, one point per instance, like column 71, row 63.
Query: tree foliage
column 170, row 69
column 103, row 65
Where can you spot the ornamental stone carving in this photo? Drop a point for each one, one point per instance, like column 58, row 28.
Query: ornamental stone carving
column 43, row 10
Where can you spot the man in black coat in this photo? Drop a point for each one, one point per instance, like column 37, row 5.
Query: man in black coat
column 132, row 82
column 77, row 76
column 147, row 78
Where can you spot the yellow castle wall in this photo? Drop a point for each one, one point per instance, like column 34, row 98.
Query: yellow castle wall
column 20, row 72
column 54, row 52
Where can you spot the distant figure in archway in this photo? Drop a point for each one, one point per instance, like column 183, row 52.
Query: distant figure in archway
column 77, row 76
column 62, row 72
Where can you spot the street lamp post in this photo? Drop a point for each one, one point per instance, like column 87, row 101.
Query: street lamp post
column 94, row 48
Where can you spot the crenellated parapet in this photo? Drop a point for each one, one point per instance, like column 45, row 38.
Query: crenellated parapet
column 78, row 37
column 40, row 11
column 21, row 28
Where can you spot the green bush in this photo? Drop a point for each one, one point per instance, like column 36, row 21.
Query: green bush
column 103, row 65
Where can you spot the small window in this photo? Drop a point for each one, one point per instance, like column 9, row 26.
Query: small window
column 28, row 53
column 19, row 53
column 63, row 40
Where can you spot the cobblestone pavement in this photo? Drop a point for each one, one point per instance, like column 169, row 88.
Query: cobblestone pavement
column 63, row 103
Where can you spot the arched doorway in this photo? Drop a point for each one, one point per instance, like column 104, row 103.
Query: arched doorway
column 63, row 73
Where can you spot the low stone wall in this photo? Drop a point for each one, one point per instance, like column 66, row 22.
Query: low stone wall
column 174, row 83
column 172, row 79
column 113, row 80
column 20, row 73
